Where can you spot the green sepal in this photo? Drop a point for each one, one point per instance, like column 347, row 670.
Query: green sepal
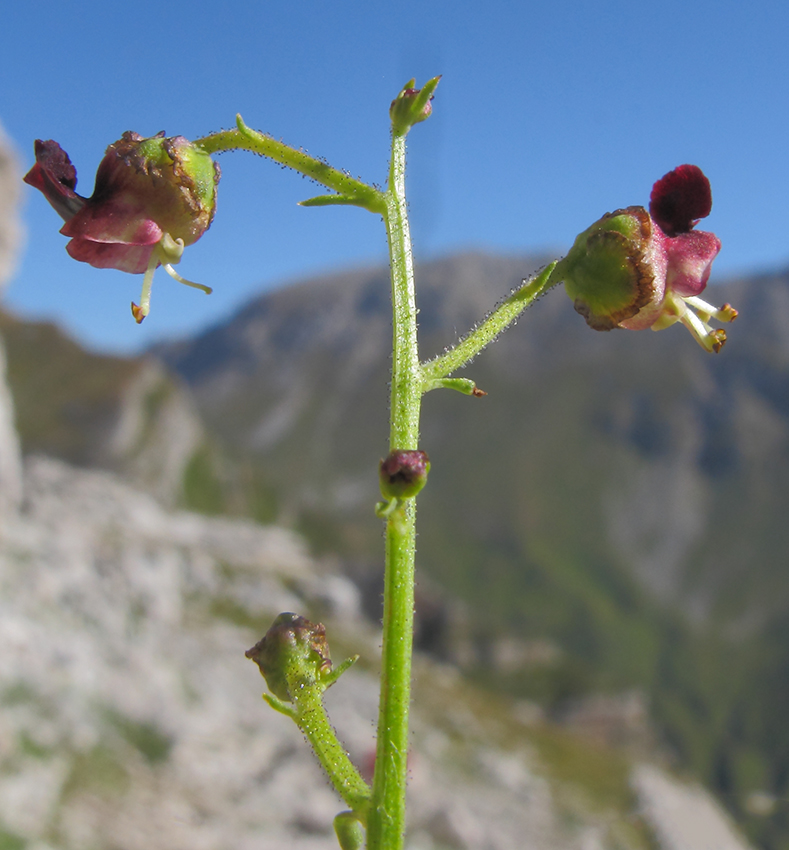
column 328, row 678
column 384, row 509
column 461, row 385
column 411, row 105
column 279, row 705
column 349, row 831
column 609, row 272
column 426, row 93
column 333, row 200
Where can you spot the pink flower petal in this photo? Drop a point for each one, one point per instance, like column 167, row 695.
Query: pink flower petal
column 690, row 257
column 113, row 221
column 111, row 255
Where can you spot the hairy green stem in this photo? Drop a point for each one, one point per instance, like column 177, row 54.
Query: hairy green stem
column 383, row 809
column 386, row 819
column 312, row 719
column 406, row 372
column 349, row 189
column 486, row 332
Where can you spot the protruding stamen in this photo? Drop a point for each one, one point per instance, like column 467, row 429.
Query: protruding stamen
column 707, row 338
column 142, row 311
column 167, row 251
column 674, row 308
column 706, row 311
column 170, row 250
column 727, row 313
column 174, row 274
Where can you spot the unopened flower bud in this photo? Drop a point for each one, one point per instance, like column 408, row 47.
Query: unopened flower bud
column 411, row 106
column 349, row 831
column 293, row 654
column 403, row 473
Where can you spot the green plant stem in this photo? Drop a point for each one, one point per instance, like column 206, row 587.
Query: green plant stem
column 406, row 372
column 384, row 810
column 349, row 189
column 386, row 819
column 486, row 332
column 312, row 719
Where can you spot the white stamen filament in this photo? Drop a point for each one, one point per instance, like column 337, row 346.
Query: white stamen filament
column 147, row 282
column 167, row 251
column 706, row 311
column 174, row 274
column 709, row 339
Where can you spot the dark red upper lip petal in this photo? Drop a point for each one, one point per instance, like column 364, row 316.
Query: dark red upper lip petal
column 55, row 176
column 679, row 199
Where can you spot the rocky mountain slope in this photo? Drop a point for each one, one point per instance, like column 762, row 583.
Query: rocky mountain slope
column 616, row 497
column 573, row 567
column 126, row 415
column 129, row 717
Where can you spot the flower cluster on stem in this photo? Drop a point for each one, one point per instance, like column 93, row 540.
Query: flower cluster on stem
column 631, row 269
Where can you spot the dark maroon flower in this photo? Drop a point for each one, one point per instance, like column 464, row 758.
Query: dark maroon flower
column 635, row 270
column 152, row 198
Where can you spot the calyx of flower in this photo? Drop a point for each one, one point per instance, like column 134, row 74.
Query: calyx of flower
column 293, row 654
column 636, row 269
column 152, row 198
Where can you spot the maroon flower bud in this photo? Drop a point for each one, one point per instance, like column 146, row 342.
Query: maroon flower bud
column 635, row 270
column 293, row 654
column 152, row 198
column 403, row 473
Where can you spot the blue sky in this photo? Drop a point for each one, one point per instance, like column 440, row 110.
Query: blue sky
column 547, row 116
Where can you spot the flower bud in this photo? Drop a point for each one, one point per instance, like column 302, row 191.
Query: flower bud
column 349, row 831
column 411, row 106
column 293, row 654
column 403, row 473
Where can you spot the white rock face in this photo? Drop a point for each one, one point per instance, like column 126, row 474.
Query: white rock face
column 10, row 241
column 156, row 434
column 683, row 817
column 10, row 228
